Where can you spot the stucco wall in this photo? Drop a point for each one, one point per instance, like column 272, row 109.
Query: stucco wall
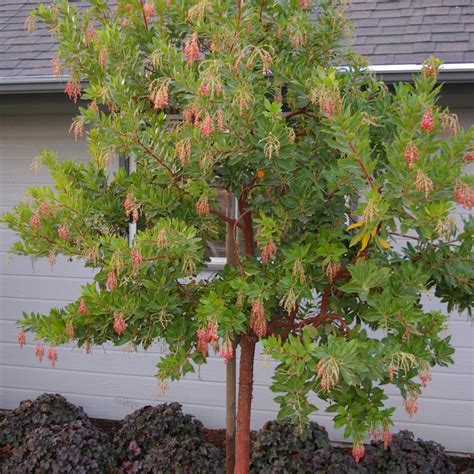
column 112, row 382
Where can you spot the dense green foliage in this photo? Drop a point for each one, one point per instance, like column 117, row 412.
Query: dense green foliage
column 332, row 173
column 48, row 409
column 163, row 439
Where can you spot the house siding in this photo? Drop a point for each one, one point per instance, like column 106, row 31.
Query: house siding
column 111, row 382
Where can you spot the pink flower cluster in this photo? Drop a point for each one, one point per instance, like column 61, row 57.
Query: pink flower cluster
column 268, row 252
column 226, row 351
column 39, row 352
column 111, row 282
column 358, row 451
column 137, row 259
column 191, row 49
column 21, row 338
column 63, row 233
column 82, row 307
column 411, row 154
column 207, row 336
column 464, row 194
column 425, row 377
column 258, row 323
column 161, row 97
column 35, row 222
column 411, row 405
column 148, row 11
column 119, row 324
column 73, row 89
column 70, row 330
column 207, row 126
column 427, row 121
column 52, row 356
column 202, row 206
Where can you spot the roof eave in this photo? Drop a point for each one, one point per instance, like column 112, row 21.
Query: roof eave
column 32, row 84
column 461, row 72
column 454, row 72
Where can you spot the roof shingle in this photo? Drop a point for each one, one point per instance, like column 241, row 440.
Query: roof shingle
column 386, row 31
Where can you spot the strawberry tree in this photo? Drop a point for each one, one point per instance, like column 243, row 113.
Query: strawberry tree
column 345, row 193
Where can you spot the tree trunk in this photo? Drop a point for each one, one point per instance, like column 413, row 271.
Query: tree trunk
column 230, row 369
column 247, row 355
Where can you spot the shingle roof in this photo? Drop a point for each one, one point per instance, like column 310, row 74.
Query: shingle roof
column 21, row 53
column 386, row 32
column 408, row 31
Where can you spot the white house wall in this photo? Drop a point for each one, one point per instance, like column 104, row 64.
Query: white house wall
column 112, row 382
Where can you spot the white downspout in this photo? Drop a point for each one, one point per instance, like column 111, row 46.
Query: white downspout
column 132, row 226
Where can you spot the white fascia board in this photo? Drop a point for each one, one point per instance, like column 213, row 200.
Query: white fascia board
column 413, row 68
column 377, row 68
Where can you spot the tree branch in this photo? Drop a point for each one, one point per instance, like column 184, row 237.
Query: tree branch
column 225, row 218
column 144, row 15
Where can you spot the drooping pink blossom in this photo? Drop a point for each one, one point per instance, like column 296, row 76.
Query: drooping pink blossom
column 21, row 338
column 207, row 126
column 468, row 157
column 464, row 194
column 191, row 114
column 427, row 121
column 202, row 206
column 82, row 307
column 191, row 49
column 52, row 356
column 268, row 251
column 220, row 120
column 103, row 56
column 183, row 150
column 39, row 352
column 258, row 322
column 64, row 232
column 392, row 372
column 332, row 270
column 70, row 332
column 73, row 89
column 35, row 222
column 411, row 405
column 425, row 377
column 160, row 97
column 202, row 344
column 119, row 324
column 203, row 89
column 45, row 209
column 358, row 451
column 90, row 34
column 411, row 154
column 136, row 258
column 129, row 204
column 93, row 106
column 387, row 437
column 148, row 11
column 212, row 333
column 111, row 282
column 226, row 351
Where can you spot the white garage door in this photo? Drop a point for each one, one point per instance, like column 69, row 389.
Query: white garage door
column 111, row 382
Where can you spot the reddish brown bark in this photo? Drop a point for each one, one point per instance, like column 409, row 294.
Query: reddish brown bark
column 231, row 370
column 247, row 355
